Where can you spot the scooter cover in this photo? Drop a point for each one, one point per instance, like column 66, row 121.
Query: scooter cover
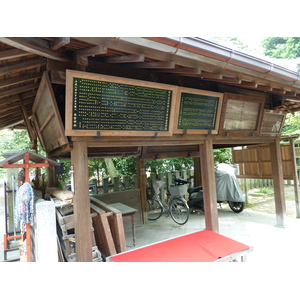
column 228, row 188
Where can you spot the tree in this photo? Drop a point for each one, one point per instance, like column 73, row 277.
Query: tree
column 282, row 47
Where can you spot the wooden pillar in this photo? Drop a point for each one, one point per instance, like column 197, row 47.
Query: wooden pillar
column 81, row 202
column 295, row 177
column 197, row 172
column 277, row 173
column 141, row 172
column 209, row 186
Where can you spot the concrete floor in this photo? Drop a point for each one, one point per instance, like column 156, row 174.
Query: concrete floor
column 270, row 243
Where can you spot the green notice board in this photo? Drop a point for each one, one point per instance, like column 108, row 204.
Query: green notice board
column 197, row 111
column 102, row 105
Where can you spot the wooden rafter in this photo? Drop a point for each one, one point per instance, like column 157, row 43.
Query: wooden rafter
column 18, row 90
column 33, row 45
column 12, row 53
column 60, row 42
column 27, row 65
column 20, row 79
column 96, row 50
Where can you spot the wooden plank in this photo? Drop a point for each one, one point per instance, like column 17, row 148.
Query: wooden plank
column 118, row 225
column 81, row 203
column 103, row 235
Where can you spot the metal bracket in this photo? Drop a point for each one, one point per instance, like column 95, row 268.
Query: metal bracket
column 98, row 136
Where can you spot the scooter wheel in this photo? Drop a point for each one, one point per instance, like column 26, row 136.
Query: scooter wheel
column 237, row 207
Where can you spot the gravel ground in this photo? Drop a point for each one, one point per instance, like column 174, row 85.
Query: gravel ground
column 266, row 203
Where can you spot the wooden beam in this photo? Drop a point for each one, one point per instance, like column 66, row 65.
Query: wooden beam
column 96, row 50
column 277, row 173
column 209, row 186
column 20, row 79
column 60, row 42
column 81, row 200
column 12, row 53
column 125, row 59
column 18, row 90
column 29, row 128
column 33, row 45
column 30, row 64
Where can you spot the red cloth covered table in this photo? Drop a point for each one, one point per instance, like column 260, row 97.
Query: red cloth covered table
column 201, row 246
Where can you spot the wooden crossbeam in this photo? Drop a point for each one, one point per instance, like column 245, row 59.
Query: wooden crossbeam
column 33, row 45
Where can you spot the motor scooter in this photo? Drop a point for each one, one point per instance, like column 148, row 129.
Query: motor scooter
column 227, row 188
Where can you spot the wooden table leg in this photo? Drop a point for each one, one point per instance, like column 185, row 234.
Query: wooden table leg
column 133, row 228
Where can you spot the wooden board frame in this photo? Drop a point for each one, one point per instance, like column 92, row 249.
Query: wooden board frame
column 276, row 124
column 244, row 100
column 70, row 74
column 46, row 117
column 201, row 93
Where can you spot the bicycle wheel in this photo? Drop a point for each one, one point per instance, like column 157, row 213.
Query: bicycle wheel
column 179, row 211
column 154, row 209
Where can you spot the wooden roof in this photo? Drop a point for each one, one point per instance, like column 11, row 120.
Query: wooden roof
column 191, row 62
column 33, row 157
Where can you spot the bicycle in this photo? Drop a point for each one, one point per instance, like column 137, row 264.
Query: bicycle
column 176, row 206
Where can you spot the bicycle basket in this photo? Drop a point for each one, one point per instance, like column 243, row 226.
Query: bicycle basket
column 178, row 190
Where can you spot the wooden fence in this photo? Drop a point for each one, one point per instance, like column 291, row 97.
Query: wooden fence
column 117, row 184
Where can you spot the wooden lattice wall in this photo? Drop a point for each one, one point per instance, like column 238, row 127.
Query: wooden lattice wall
column 255, row 162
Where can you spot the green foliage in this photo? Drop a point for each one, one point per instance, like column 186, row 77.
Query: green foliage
column 282, row 47
column 168, row 165
column 264, row 190
column 223, row 155
column 292, row 124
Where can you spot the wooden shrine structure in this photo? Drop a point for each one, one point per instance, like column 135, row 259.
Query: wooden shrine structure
column 145, row 97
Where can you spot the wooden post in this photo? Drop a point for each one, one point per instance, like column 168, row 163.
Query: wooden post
column 209, row 186
column 197, row 172
column 295, row 177
column 142, row 186
column 81, row 202
column 277, row 173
